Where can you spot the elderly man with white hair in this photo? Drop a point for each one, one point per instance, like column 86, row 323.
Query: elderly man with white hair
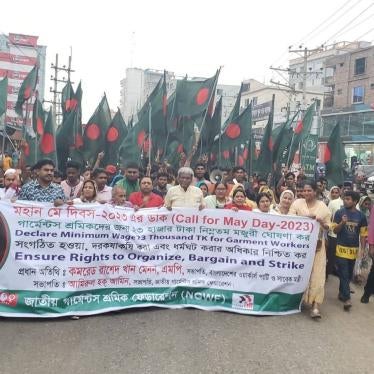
column 10, row 188
column 184, row 195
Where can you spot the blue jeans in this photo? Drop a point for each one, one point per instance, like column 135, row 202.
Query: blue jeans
column 345, row 271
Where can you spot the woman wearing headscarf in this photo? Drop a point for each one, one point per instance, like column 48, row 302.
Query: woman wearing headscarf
column 311, row 207
column 263, row 201
column 203, row 187
column 286, row 199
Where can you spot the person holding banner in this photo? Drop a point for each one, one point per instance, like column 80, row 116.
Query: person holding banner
column 145, row 198
column 219, row 199
column 88, row 194
column 310, row 207
column 238, row 201
column 42, row 189
column 185, row 195
column 264, row 201
column 285, row 201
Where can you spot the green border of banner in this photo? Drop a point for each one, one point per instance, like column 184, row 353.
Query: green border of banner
column 204, row 298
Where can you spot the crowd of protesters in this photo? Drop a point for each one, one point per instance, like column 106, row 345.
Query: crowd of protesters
column 346, row 238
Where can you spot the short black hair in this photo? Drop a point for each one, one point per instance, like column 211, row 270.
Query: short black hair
column 200, row 164
column 322, row 179
column 262, row 180
column 98, row 171
column 132, row 165
column 235, row 169
column 74, row 165
column 353, row 194
column 311, row 183
column 300, row 185
column 43, row 162
column 290, row 174
column 164, row 175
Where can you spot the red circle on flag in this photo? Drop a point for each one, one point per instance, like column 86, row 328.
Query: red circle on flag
column 245, row 153
column 233, row 131
column 299, row 127
column 164, row 105
column 180, row 148
column 146, row 146
column 141, row 138
column 27, row 93
column 327, row 154
column 202, row 96
column 78, row 141
column 47, row 144
column 93, row 131
column 270, row 144
column 26, row 149
column 112, row 135
column 67, row 105
column 226, row 154
column 39, row 126
column 240, row 160
column 213, row 156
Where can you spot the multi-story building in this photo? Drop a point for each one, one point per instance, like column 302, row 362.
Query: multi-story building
column 139, row 83
column 18, row 55
column 316, row 65
column 286, row 102
column 349, row 101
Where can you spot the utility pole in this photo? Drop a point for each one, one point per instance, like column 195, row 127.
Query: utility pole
column 305, row 54
column 56, row 80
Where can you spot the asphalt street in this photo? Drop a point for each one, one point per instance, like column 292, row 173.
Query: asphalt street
column 193, row 341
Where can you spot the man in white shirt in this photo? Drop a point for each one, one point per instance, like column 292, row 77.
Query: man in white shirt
column 184, row 195
column 104, row 192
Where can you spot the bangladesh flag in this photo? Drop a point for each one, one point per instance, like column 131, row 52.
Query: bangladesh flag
column 68, row 100
column 95, row 130
column 264, row 163
column 334, row 158
column 129, row 149
column 301, row 131
column 3, row 95
column 30, row 150
column 26, row 90
column 193, row 96
column 211, row 128
column 114, row 137
column 38, row 118
column 47, row 143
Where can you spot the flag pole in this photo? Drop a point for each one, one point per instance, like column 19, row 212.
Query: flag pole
column 207, row 109
column 167, row 136
column 150, row 137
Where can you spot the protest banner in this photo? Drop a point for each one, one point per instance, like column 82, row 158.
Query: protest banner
column 89, row 259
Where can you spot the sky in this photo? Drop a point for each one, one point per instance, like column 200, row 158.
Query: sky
column 191, row 37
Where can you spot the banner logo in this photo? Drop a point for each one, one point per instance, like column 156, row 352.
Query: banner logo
column 243, row 301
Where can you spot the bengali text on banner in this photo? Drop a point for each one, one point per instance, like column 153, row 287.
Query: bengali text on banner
column 89, row 259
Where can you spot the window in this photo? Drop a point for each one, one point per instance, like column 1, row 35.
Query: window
column 358, row 95
column 246, row 102
column 339, row 91
column 372, row 86
column 246, row 87
column 341, row 64
column 254, row 101
column 219, row 91
column 300, row 85
column 360, row 65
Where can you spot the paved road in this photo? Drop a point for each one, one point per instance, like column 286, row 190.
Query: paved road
column 192, row 341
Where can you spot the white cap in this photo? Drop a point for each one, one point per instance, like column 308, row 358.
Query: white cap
column 10, row 171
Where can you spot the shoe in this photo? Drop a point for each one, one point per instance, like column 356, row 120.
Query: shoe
column 340, row 297
column 74, row 317
column 315, row 313
column 347, row 305
column 365, row 298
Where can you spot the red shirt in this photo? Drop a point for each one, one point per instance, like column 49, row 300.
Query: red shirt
column 154, row 201
column 240, row 207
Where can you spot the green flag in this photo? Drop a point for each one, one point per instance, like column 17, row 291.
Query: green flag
column 68, row 100
column 309, row 155
column 263, row 165
column 3, row 95
column 300, row 132
column 334, row 158
column 47, row 144
column 95, row 130
column 129, row 149
column 30, row 148
column 26, row 90
column 38, row 118
column 193, row 96
column 114, row 137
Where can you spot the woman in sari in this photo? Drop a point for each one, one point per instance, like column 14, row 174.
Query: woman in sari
column 219, row 199
column 316, row 209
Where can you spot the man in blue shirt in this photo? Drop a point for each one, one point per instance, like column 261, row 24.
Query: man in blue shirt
column 42, row 189
column 350, row 225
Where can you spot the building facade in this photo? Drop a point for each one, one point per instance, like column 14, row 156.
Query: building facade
column 349, row 101
column 18, row 55
column 139, row 83
column 286, row 102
